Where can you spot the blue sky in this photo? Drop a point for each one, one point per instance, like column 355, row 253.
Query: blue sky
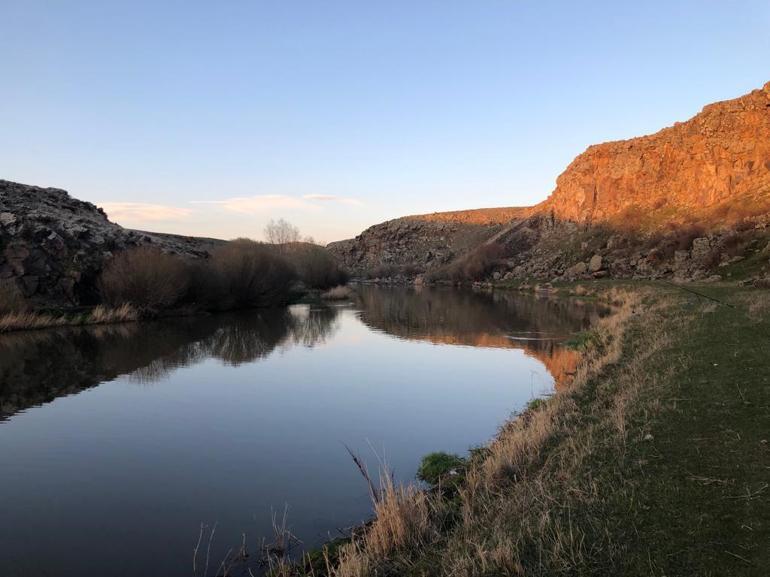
column 210, row 118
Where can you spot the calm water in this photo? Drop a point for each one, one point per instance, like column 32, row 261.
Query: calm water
column 117, row 442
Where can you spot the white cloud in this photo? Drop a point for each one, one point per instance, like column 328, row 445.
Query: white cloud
column 266, row 203
column 260, row 203
column 142, row 211
column 333, row 198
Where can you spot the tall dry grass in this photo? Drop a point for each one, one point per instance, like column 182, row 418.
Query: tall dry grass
column 31, row 320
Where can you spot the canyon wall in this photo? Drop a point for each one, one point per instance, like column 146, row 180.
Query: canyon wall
column 712, row 169
column 710, row 174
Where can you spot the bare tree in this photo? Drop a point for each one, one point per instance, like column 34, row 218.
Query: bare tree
column 281, row 232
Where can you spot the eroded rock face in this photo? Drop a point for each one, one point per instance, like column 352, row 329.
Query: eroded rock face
column 713, row 169
column 54, row 246
column 413, row 244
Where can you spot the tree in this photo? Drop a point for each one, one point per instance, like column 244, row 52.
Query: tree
column 281, row 232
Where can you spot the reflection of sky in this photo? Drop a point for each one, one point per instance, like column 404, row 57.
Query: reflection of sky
column 132, row 471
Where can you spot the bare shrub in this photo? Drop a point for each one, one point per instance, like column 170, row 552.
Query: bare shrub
column 315, row 266
column 679, row 238
column 475, row 265
column 11, row 298
column 384, row 271
column 145, row 277
column 281, row 232
column 243, row 273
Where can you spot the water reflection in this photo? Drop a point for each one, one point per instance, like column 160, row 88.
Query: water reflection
column 496, row 319
column 245, row 413
column 37, row 367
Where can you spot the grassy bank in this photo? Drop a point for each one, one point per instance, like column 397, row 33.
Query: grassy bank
column 30, row 320
column 654, row 462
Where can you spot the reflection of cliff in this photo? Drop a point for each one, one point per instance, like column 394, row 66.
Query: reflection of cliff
column 37, row 367
column 496, row 320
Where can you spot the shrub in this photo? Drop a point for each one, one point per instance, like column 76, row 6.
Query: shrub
column 145, row 277
column 243, row 273
column 11, row 298
column 475, row 265
column 315, row 267
column 435, row 466
column 384, row 271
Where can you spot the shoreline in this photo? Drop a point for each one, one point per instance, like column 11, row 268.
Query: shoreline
column 573, row 483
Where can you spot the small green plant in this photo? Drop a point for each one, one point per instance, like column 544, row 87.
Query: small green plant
column 436, row 466
column 535, row 404
column 581, row 341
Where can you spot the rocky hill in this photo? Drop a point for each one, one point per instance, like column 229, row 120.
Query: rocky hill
column 53, row 246
column 713, row 169
column 680, row 202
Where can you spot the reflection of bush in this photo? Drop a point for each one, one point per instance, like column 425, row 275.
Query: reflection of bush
column 38, row 367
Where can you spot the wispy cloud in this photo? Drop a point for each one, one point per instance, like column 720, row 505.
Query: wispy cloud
column 333, row 198
column 260, row 203
column 142, row 211
column 265, row 203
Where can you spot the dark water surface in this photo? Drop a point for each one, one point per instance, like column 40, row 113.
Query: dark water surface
column 117, row 442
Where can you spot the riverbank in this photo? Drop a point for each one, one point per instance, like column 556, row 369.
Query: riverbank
column 654, row 461
column 99, row 315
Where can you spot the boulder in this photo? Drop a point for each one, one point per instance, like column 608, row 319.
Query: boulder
column 595, row 264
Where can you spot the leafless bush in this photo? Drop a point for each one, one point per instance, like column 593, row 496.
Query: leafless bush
column 145, row 277
column 475, row 265
column 315, row 267
column 243, row 273
column 281, row 232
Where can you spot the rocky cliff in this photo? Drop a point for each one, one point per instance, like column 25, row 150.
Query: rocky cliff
column 712, row 169
column 53, row 246
column 664, row 204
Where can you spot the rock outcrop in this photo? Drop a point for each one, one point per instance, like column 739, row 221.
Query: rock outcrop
column 414, row 244
column 713, row 169
column 53, row 246
column 710, row 173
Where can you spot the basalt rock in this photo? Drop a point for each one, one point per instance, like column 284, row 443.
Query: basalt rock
column 53, row 246
column 713, row 169
column 711, row 172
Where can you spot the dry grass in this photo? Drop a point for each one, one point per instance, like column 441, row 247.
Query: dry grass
column 337, row 293
column 524, row 507
column 21, row 321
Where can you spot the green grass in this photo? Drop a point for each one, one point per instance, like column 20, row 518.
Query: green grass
column 698, row 501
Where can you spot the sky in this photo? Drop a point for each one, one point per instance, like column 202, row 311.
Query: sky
column 210, row 118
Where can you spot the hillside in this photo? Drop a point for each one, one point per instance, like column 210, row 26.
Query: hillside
column 675, row 203
column 53, row 246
